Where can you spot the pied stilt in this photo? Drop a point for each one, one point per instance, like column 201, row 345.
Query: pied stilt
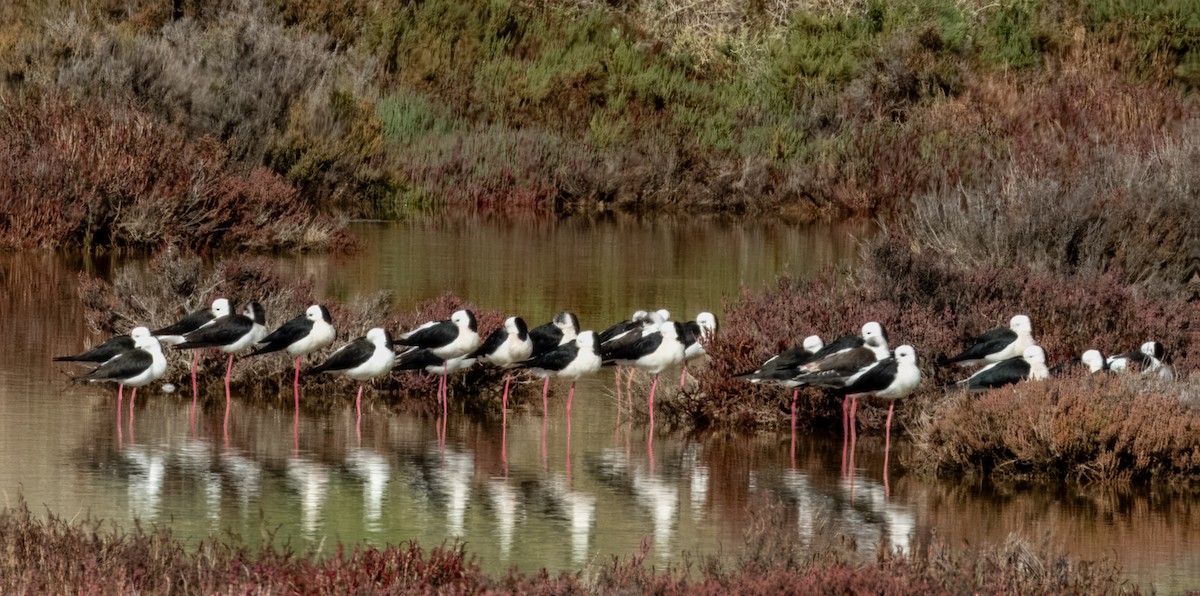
column 135, row 367
column 300, row 336
column 504, row 348
column 1147, row 359
column 562, row 329
column 231, row 333
column 362, row 360
column 173, row 334
column 568, row 361
column 1030, row 365
column 450, row 338
column 652, row 352
column 105, row 351
column 1092, row 361
column 782, row 368
column 696, row 334
column 846, row 356
column 997, row 344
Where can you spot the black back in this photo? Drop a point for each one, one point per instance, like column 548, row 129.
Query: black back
column 346, row 357
column 782, row 366
column 631, row 346
column 103, row 352
column 187, row 324
column 125, row 365
column 1005, row 372
column 291, row 332
column 554, row 360
column 222, row 332
column 989, row 343
column 418, row 359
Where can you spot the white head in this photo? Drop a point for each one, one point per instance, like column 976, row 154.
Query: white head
column 464, row 319
column 1152, row 349
column 1093, row 359
column 139, row 332
column 1034, row 355
column 873, row 334
column 670, row 330
column 1021, row 324
column 220, row 307
column 510, row 326
column 906, row 353
column 639, row 315
column 147, row 342
column 813, row 344
column 708, row 324
column 586, row 339
column 317, row 312
column 663, row 314
column 379, row 336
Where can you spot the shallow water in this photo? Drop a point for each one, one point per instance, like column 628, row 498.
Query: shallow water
column 519, row 495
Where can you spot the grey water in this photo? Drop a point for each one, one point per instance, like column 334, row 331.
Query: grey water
column 522, row 494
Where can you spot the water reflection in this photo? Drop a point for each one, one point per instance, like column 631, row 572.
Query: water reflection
column 512, row 493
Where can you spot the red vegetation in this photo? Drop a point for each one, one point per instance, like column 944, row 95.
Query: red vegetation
column 86, row 174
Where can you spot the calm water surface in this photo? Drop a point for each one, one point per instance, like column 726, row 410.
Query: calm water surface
column 521, row 496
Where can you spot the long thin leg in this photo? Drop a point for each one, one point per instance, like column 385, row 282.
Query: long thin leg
column 504, row 399
column 545, row 400
column 228, row 374
column 358, row 410
column 195, row 389
column 653, row 386
column 887, row 447
column 120, row 398
column 132, row 398
column 445, row 395
column 629, row 379
column 570, row 395
column 845, row 430
column 683, row 376
column 795, row 394
column 296, row 387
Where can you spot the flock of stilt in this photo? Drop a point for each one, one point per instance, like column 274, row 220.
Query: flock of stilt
column 852, row 365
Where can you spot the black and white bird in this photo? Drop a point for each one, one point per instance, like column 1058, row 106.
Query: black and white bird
column 652, row 352
column 696, row 334
column 571, row 360
column 637, row 320
column 997, row 344
column 563, row 328
column 135, row 367
column 1092, row 361
column 845, row 357
column 173, row 334
column 1031, row 365
column 230, row 334
column 782, row 368
column 300, row 336
column 1147, row 359
column 451, row 338
column 890, row 378
column 505, row 347
column 108, row 349
column 363, row 359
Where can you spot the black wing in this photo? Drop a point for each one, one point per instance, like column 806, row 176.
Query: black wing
column 417, row 359
column 841, row 344
column 637, row 346
column 691, row 333
column 123, row 366
column 876, row 378
column 491, row 344
column 545, row 338
column 346, row 357
column 188, row 324
column 781, row 367
column 103, row 352
column 1005, row 372
column 616, row 330
column 433, row 336
column 989, row 343
column 556, row 359
column 288, row 334
column 839, row 364
column 222, row 332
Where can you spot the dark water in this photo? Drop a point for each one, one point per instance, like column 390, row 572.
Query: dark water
column 515, row 495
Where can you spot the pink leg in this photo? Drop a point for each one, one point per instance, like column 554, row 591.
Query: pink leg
column 795, row 394
column 887, row 447
column 132, row 398
column 504, row 399
column 617, row 432
column 120, row 397
column 629, row 379
column 445, row 397
column 358, row 417
column 296, row 387
column 195, row 387
column 570, row 395
column 683, row 376
column 545, row 401
column 853, row 416
column 653, row 386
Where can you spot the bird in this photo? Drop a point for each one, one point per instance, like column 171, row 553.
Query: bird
column 362, row 360
column 504, row 348
column 695, row 334
column 568, row 361
column 637, row 320
column 562, row 329
column 300, row 336
column 782, row 368
column 1092, row 361
column 173, row 334
column 1030, row 365
column 997, row 344
column 653, row 352
column 891, row 378
column 846, row 356
column 230, row 333
column 1147, row 359
column 108, row 349
column 135, row 367
column 450, row 338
